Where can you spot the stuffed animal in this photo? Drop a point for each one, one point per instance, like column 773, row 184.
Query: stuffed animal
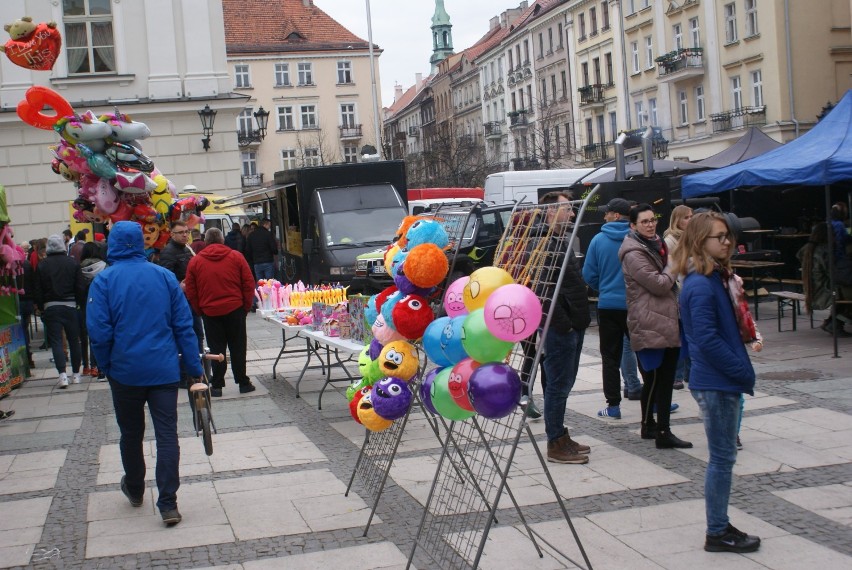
column 32, row 46
column 399, row 358
column 411, row 315
column 391, row 398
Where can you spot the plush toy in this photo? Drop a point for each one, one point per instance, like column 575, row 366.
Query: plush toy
column 383, row 333
column 356, row 400
column 401, row 232
column 399, row 358
column 374, row 350
column 32, row 46
column 390, row 253
column 368, row 416
column 391, row 398
column 380, row 298
column 387, row 308
column 411, row 316
column 426, row 265
column 426, row 231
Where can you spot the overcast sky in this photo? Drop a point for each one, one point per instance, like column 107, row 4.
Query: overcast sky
column 401, row 29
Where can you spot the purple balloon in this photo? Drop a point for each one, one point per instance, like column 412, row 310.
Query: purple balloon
column 494, row 390
column 426, row 389
column 375, row 349
column 391, row 398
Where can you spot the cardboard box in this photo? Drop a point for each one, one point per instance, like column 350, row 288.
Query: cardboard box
column 360, row 330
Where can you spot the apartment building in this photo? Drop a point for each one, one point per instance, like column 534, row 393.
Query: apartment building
column 161, row 62
column 309, row 87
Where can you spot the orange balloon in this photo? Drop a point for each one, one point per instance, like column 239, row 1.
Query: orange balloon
column 34, row 102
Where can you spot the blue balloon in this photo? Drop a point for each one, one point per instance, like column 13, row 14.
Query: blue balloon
column 451, row 340
column 432, row 341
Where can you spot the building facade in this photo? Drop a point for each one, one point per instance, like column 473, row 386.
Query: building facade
column 109, row 61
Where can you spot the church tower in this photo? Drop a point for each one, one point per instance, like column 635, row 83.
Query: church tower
column 442, row 35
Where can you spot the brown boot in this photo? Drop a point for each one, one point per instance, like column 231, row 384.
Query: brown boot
column 558, row 452
column 573, row 445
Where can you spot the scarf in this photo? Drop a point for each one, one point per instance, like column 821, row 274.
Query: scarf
column 656, row 245
column 734, row 286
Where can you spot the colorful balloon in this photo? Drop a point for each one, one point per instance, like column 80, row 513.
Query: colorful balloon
column 426, row 389
column 36, row 99
column 452, row 341
column 494, row 390
column 454, row 297
column 483, row 282
column 33, row 46
column 458, row 382
column 432, row 340
column 512, row 312
column 442, row 400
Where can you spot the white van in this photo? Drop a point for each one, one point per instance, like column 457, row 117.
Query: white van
column 529, row 185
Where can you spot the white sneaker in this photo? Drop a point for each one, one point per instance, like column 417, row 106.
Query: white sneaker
column 76, row 379
column 102, row 378
column 63, row 380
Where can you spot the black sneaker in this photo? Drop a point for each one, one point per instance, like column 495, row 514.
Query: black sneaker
column 171, row 517
column 216, row 392
column 732, row 540
column 246, row 388
column 134, row 501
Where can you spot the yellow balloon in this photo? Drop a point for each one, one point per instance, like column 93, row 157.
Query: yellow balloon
column 483, row 282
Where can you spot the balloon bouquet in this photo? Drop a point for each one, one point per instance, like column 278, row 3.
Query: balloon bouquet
column 487, row 313
column 102, row 157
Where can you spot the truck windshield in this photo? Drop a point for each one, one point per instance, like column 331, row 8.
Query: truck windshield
column 360, row 228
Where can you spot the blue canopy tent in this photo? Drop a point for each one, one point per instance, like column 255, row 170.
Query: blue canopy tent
column 820, row 157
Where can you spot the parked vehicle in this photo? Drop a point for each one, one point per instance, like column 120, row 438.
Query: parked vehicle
column 530, row 185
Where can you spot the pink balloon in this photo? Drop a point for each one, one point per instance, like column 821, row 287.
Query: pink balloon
column 512, row 312
column 105, row 198
column 458, row 382
column 454, row 298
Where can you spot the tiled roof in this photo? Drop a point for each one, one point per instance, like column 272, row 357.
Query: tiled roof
column 406, row 99
column 264, row 26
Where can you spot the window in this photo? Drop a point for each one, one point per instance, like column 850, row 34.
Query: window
column 645, row 3
column 751, row 17
column 699, row 102
column 737, row 92
column 694, row 32
column 649, row 52
column 730, row 23
column 550, row 39
column 553, row 86
column 89, row 40
column 596, row 64
column 601, row 128
column 526, row 51
column 631, row 6
column 585, row 67
column 634, row 53
column 344, row 72
column 245, row 122
column 518, row 54
column 350, row 154
column 311, row 157
column 608, row 63
column 581, row 22
column 530, row 99
column 604, row 16
column 558, row 140
column 564, row 78
column 306, row 74
column 521, row 99
column 241, row 76
column 514, row 105
column 282, row 74
column 347, row 115
column 249, row 161
column 757, row 88
column 541, row 44
column 593, row 20
column 677, row 36
column 559, row 31
column 590, row 134
column 652, row 111
column 288, row 160
column 543, row 94
column 309, row 116
column 285, row 119
column 613, row 124
column 640, row 113
column 511, row 65
column 684, row 114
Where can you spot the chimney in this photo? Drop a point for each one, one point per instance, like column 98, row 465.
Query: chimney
column 620, row 164
column 648, row 153
column 397, row 92
column 418, row 79
column 494, row 22
column 523, row 5
column 307, row 3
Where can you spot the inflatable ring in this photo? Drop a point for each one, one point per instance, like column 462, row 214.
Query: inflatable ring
column 36, row 99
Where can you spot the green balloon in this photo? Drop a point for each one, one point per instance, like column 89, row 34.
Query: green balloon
column 443, row 401
column 479, row 343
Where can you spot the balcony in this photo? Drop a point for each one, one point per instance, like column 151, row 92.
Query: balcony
column 493, row 130
column 660, row 145
column 518, row 119
column 525, row 163
column 252, row 180
column 399, row 136
column 350, row 132
column 595, row 152
column 741, row 118
column 414, row 131
column 680, row 64
column 592, row 95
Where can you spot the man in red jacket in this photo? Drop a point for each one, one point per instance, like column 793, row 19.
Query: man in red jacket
column 220, row 288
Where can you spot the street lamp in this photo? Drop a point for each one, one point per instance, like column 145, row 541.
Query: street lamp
column 207, row 116
column 261, row 117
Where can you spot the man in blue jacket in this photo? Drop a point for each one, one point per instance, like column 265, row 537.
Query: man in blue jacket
column 139, row 323
column 602, row 272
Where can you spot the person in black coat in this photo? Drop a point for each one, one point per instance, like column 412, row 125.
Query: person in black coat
column 235, row 239
column 60, row 289
column 262, row 251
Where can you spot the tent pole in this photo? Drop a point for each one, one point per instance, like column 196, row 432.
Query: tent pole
column 831, row 268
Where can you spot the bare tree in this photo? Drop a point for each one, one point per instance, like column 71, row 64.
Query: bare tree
column 544, row 138
column 455, row 159
column 317, row 140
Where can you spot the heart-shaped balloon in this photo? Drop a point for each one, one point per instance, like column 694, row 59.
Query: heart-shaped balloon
column 36, row 99
column 38, row 51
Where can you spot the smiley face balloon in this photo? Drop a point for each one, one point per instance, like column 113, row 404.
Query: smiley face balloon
column 454, row 297
column 483, row 282
column 399, row 358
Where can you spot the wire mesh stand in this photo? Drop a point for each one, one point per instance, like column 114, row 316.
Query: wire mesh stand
column 379, row 449
column 456, row 521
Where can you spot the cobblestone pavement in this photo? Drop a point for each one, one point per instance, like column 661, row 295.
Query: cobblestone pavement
column 272, row 494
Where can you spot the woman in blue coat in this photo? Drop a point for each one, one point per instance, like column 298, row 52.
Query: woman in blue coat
column 717, row 325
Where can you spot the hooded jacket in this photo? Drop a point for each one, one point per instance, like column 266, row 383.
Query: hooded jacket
column 138, row 318
column 602, row 267
column 219, row 281
column 261, row 246
column 719, row 358
column 58, row 279
column 652, row 310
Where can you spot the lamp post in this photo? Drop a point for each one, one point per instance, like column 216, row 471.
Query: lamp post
column 261, row 118
column 207, row 116
column 373, row 79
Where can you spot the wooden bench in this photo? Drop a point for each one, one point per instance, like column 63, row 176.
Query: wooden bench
column 792, row 300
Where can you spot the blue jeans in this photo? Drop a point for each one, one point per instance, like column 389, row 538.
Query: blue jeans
column 129, row 403
column 264, row 270
column 561, row 363
column 58, row 318
column 629, row 371
column 721, row 412
column 682, row 372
